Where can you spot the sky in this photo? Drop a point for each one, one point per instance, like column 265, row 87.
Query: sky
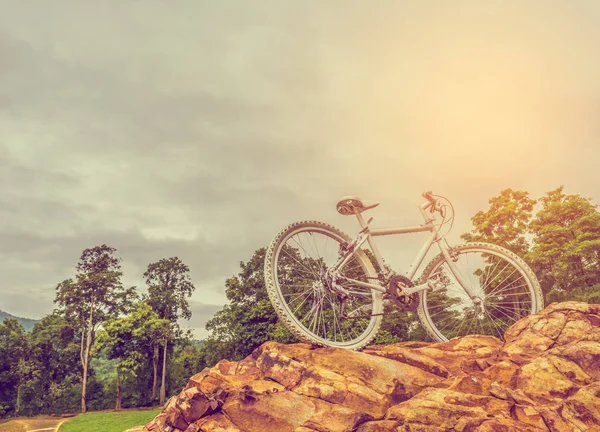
column 199, row 129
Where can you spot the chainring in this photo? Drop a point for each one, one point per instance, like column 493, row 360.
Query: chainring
column 406, row 303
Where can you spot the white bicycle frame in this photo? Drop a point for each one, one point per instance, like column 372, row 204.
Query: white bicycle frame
column 367, row 235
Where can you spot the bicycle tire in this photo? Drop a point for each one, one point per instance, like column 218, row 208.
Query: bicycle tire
column 510, row 259
column 282, row 308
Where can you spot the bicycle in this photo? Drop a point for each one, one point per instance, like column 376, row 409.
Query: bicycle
column 337, row 299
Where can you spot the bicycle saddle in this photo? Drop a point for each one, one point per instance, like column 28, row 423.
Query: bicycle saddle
column 350, row 205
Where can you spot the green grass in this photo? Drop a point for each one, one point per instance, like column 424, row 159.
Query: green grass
column 108, row 421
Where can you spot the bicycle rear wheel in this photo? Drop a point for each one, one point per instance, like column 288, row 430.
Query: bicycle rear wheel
column 506, row 290
column 295, row 271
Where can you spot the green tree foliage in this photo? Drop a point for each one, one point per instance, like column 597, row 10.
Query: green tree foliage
column 53, row 367
column 127, row 339
column 564, row 245
column 42, row 372
column 505, row 222
column 566, row 251
column 13, row 348
column 187, row 360
column 169, row 287
column 248, row 320
column 96, row 295
column 395, row 327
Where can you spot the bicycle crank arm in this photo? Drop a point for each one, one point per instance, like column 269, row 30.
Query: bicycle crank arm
column 417, row 288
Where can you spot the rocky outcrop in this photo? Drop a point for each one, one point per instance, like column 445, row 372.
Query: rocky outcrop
column 545, row 376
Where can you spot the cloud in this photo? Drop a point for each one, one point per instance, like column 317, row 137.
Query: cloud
column 200, row 129
column 201, row 313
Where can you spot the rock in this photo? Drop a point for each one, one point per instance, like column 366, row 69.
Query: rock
column 353, row 379
column 545, row 376
column 448, row 409
column 286, row 411
column 217, row 422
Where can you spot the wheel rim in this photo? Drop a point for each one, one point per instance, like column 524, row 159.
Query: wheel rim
column 504, row 294
column 300, row 265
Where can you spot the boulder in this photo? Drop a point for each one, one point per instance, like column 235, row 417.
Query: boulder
column 544, row 376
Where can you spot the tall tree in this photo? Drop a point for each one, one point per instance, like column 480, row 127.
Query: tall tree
column 95, row 296
column 169, row 287
column 566, row 251
column 506, row 221
column 127, row 339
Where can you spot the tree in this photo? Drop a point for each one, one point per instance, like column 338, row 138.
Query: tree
column 13, row 348
column 186, row 357
column 95, row 296
column 505, row 223
column 127, row 339
column 169, row 287
column 53, row 364
column 248, row 320
column 566, row 251
column 564, row 246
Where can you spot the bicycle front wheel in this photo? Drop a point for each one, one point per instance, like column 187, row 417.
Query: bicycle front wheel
column 296, row 265
column 504, row 286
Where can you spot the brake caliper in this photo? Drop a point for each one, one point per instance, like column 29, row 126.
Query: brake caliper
column 346, row 247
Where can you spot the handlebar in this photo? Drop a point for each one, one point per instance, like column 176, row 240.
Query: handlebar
column 429, row 197
column 437, row 204
column 432, row 203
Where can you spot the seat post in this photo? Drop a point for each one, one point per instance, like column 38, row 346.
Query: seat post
column 372, row 245
column 361, row 221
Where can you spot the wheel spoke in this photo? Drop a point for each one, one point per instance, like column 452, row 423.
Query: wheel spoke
column 508, row 287
column 505, row 292
column 307, row 294
column 500, row 284
column 308, row 271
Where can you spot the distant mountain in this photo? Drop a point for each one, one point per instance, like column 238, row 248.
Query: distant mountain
column 25, row 322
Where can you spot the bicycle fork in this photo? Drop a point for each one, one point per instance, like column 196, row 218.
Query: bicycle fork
column 440, row 283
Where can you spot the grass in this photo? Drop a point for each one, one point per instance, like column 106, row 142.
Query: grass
column 108, row 421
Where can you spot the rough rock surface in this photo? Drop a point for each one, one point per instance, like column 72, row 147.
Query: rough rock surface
column 544, row 377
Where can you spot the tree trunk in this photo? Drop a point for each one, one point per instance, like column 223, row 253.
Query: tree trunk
column 21, row 376
column 86, row 358
column 82, row 341
column 155, row 365
column 18, row 404
column 119, row 392
column 164, row 372
column 84, row 382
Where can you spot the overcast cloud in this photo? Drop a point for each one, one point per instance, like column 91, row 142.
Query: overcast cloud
column 199, row 129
